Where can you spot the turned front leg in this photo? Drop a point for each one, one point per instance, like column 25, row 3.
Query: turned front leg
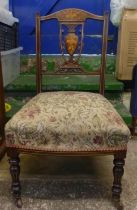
column 15, row 172
column 118, row 172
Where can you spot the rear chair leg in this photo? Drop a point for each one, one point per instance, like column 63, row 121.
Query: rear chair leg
column 133, row 128
column 15, row 172
column 118, row 172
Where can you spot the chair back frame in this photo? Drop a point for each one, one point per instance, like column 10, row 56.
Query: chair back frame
column 71, row 18
column 2, row 106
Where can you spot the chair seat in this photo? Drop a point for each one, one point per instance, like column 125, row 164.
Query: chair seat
column 67, row 121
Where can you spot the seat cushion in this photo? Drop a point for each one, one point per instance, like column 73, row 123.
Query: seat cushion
column 67, row 121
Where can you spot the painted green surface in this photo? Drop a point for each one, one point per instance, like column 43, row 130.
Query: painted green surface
column 18, row 102
column 122, row 110
column 80, row 83
column 25, row 83
column 89, row 63
column 16, row 105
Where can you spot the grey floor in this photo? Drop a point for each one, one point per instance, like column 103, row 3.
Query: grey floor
column 55, row 183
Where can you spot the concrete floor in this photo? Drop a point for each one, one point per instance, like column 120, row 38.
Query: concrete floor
column 70, row 183
column 126, row 99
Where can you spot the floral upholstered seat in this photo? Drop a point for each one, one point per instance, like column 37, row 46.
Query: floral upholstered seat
column 67, row 121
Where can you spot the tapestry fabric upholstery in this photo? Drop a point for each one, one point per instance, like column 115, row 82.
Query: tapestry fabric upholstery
column 67, row 121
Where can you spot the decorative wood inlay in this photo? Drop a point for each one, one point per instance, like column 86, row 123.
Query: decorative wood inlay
column 72, row 14
column 71, row 41
column 72, row 19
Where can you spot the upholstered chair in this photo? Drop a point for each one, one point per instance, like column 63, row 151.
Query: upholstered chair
column 69, row 123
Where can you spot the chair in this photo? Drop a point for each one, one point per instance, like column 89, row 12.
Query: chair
column 68, row 123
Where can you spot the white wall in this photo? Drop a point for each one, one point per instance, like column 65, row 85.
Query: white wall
column 4, row 4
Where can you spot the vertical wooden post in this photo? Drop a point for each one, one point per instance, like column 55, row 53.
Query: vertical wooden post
column 38, row 55
column 133, row 126
column 118, row 171
column 104, row 52
column 15, row 173
column 2, row 106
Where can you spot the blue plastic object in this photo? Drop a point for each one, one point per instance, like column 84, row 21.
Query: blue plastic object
column 133, row 105
column 25, row 10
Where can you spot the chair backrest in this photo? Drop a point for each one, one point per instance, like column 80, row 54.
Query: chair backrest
column 71, row 43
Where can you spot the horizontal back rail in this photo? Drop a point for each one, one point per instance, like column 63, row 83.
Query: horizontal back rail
column 72, row 14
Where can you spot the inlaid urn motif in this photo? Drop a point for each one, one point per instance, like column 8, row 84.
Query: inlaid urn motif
column 71, row 42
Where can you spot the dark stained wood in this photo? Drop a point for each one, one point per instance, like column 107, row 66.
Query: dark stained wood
column 96, row 152
column 95, row 73
column 2, row 107
column 15, row 172
column 103, row 56
column 118, row 172
column 72, row 14
column 2, row 150
column 72, row 18
column 2, row 115
column 133, row 126
column 38, row 54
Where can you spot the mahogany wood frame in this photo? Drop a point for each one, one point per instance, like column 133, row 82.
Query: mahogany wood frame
column 74, row 16
column 13, row 152
column 2, row 114
column 133, row 126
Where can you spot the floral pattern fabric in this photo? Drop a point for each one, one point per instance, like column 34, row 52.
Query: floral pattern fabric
column 67, row 121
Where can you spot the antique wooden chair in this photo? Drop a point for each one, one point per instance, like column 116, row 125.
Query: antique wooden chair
column 68, row 122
